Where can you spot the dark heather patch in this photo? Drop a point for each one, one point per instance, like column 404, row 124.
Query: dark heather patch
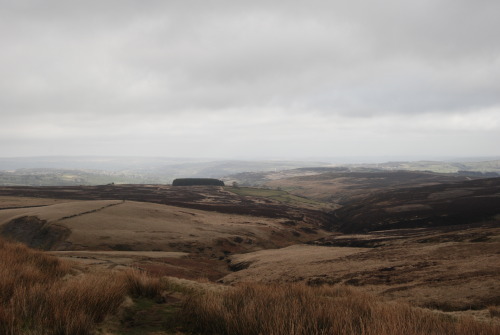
column 35, row 233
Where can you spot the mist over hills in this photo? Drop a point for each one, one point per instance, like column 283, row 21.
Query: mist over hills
column 50, row 171
column 65, row 171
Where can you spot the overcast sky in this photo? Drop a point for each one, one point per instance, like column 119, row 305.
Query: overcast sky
column 250, row 79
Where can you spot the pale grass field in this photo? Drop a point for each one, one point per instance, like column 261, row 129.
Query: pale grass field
column 103, row 224
column 13, row 202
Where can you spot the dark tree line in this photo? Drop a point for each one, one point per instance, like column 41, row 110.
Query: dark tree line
column 197, row 181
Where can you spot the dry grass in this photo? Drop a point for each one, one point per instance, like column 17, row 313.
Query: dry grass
column 300, row 309
column 440, row 273
column 142, row 285
column 494, row 311
column 39, row 296
column 147, row 226
column 69, row 307
column 14, row 202
column 23, row 267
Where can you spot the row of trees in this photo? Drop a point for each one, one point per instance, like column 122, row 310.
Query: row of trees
column 197, row 181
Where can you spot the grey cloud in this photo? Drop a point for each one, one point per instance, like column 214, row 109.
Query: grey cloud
column 79, row 65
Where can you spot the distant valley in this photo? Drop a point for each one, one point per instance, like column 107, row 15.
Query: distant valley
column 64, row 171
column 430, row 239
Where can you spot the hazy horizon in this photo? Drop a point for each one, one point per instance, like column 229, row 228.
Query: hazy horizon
column 253, row 80
column 122, row 162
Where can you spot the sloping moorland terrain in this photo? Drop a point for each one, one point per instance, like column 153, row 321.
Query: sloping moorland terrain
column 430, row 240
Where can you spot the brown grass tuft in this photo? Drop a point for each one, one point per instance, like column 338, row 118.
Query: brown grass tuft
column 298, row 309
column 494, row 311
column 23, row 267
column 139, row 284
column 36, row 297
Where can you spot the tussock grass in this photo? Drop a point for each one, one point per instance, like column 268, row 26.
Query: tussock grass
column 299, row 309
column 494, row 311
column 65, row 307
column 23, row 267
column 39, row 296
column 140, row 284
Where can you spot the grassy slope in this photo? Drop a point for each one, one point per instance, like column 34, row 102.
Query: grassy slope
column 451, row 269
column 109, row 224
column 42, row 295
column 343, row 187
column 434, row 255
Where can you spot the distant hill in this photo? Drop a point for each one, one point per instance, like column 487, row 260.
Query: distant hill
column 342, row 187
column 65, row 171
column 475, row 169
column 464, row 202
column 490, row 166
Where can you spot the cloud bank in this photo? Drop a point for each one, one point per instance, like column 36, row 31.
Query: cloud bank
column 248, row 80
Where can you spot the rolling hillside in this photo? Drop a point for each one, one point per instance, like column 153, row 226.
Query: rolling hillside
column 129, row 225
column 457, row 203
column 349, row 187
column 431, row 240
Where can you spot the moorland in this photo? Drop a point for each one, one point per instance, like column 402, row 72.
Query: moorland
column 344, row 250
